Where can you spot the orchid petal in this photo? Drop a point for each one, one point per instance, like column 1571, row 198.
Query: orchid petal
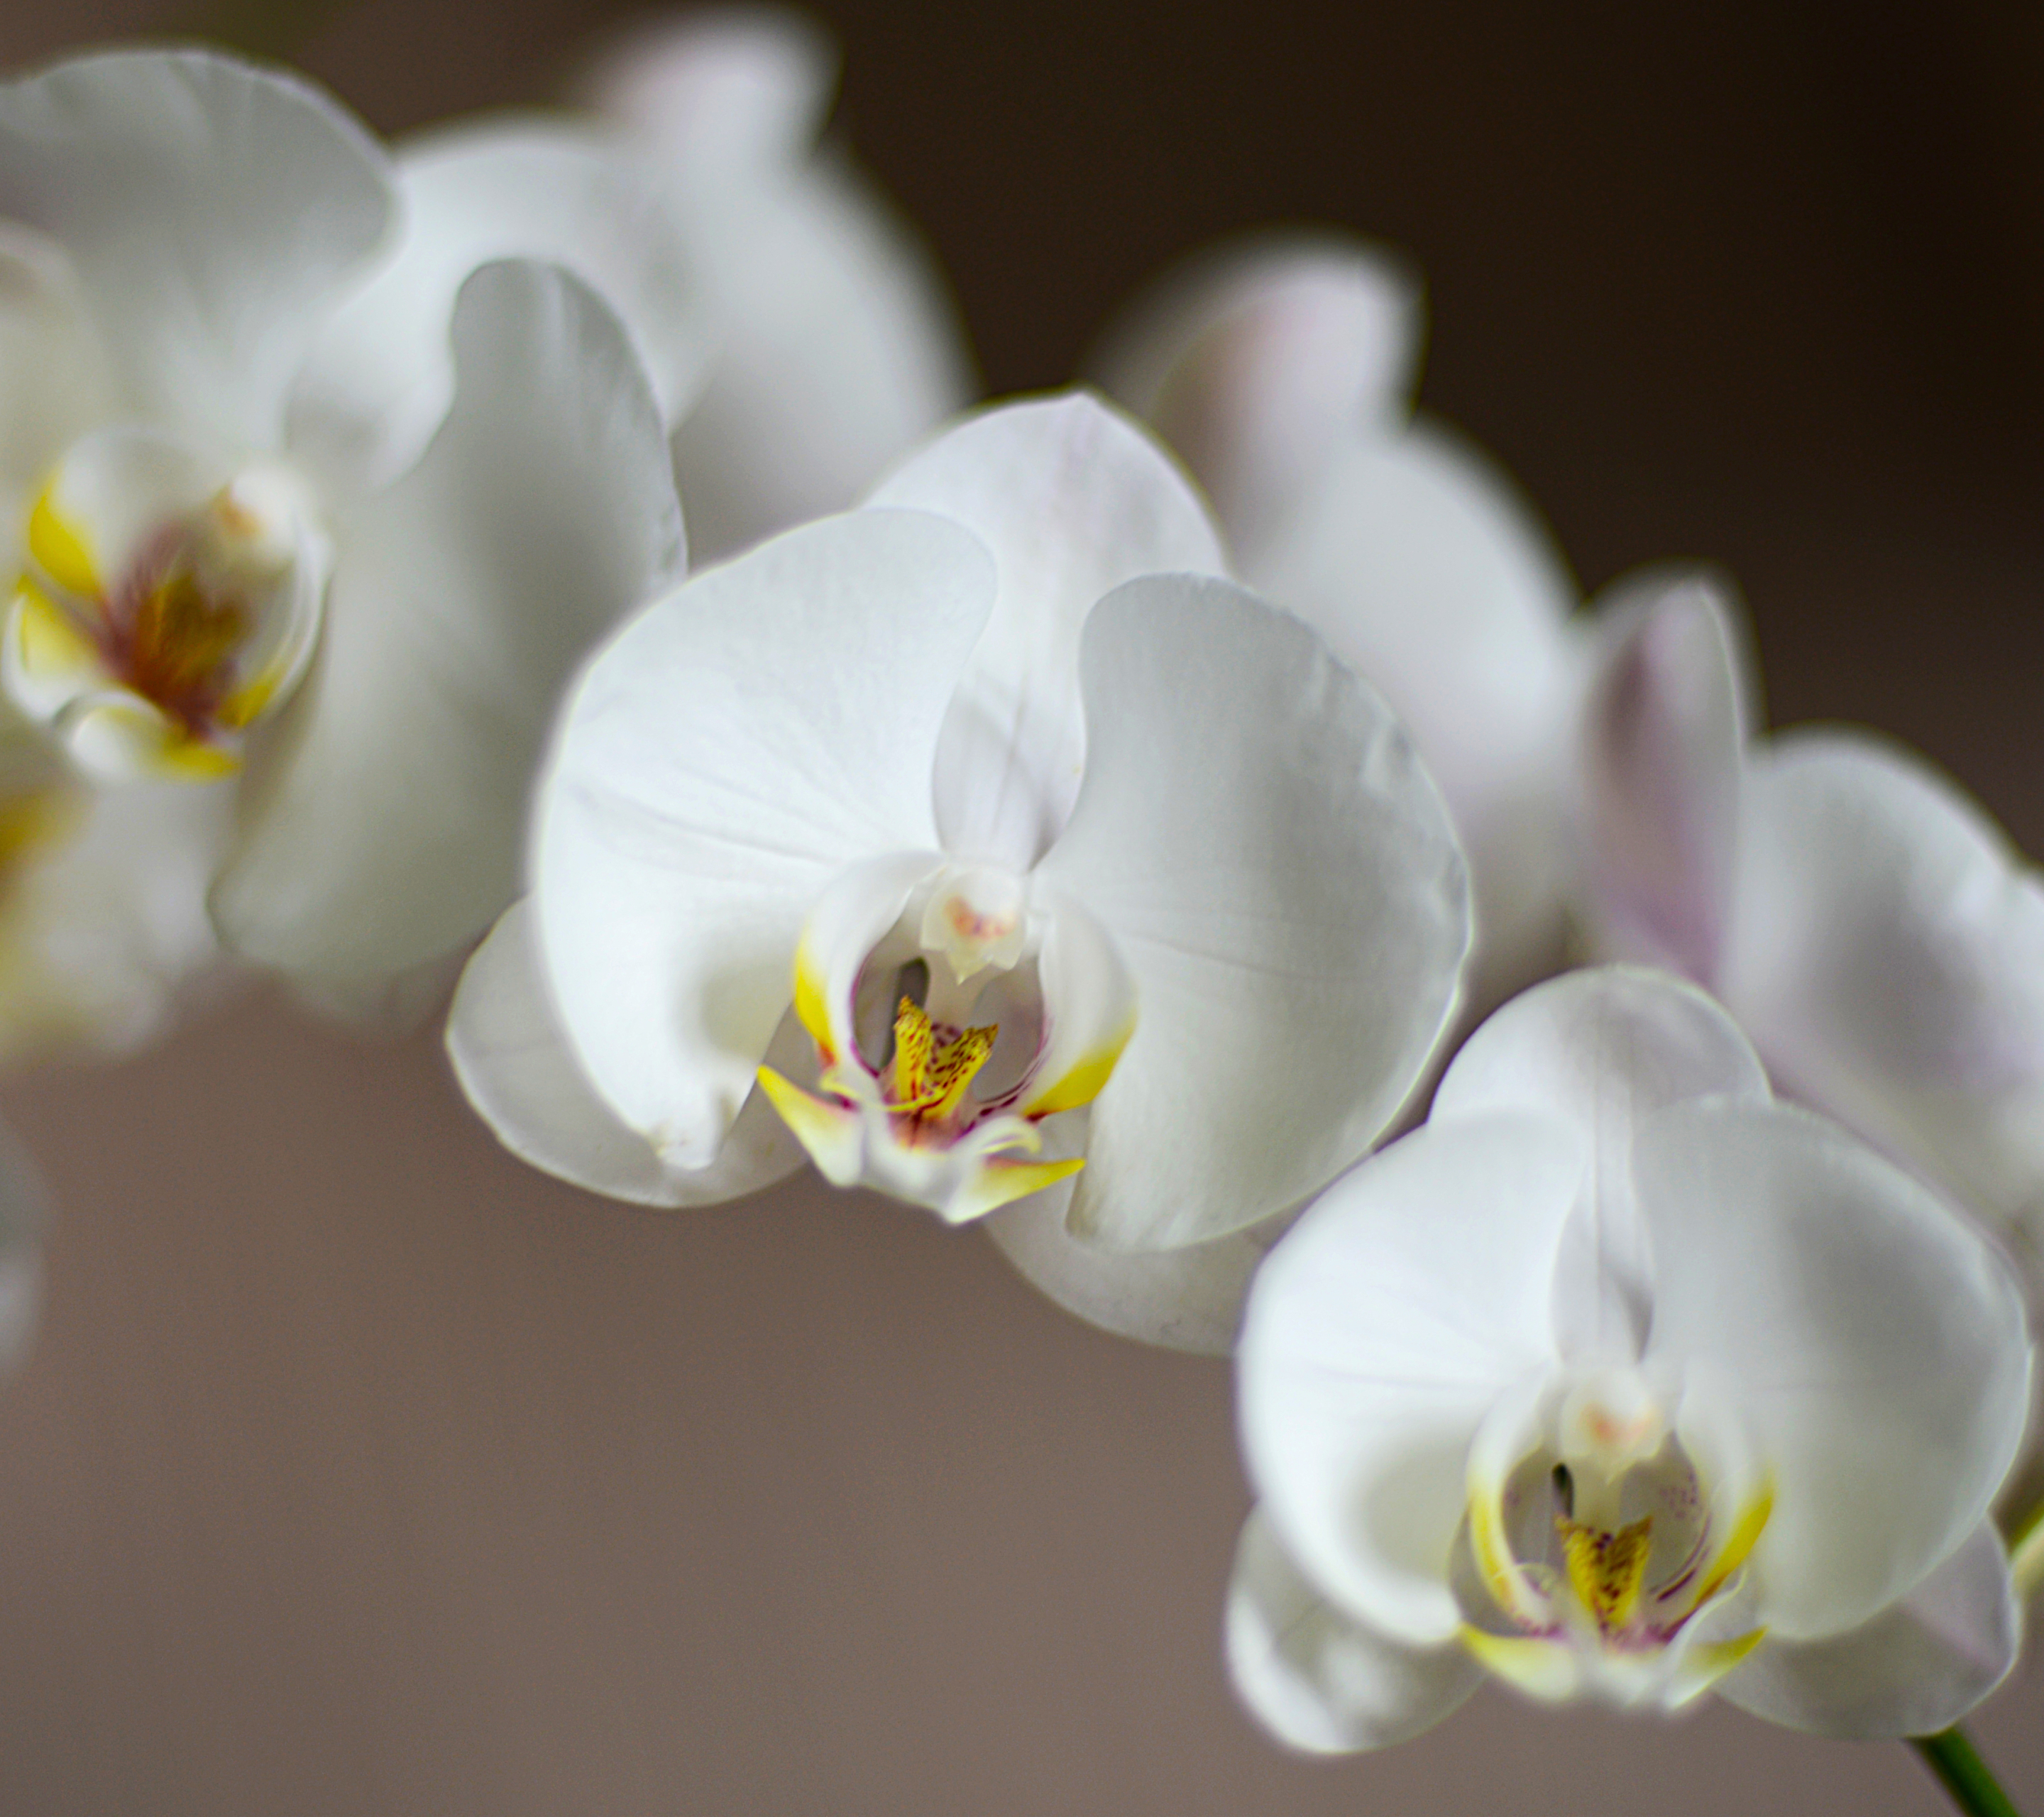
column 1381, row 1334
column 385, row 818
column 211, row 211
column 1280, row 878
column 736, row 746
column 838, row 350
column 513, row 1060
column 1186, row 1299
column 381, row 376
column 1664, row 741
column 1256, row 360
column 1317, row 1680
column 712, row 92
column 1602, row 1049
column 59, row 384
column 1073, row 499
column 1873, row 1343
column 1888, row 956
column 1914, row 1668
column 1418, row 561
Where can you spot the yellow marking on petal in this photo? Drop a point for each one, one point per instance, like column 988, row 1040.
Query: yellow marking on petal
column 34, row 820
column 829, row 1131
column 1493, row 1549
column 52, row 641
column 1085, row 1079
column 245, row 705
column 1745, row 1534
column 1002, row 1182
column 194, row 760
column 929, row 1080
column 60, row 549
column 1703, row 1665
column 1606, row 1570
column 1542, row 1667
column 813, row 1002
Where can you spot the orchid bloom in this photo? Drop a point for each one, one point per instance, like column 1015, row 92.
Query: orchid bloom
column 1619, row 1379
column 798, row 335
column 255, row 663
column 986, row 845
column 1280, row 369
column 1868, row 924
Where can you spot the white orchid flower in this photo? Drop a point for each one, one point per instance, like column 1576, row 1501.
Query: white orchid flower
column 1280, row 370
column 797, row 334
column 1868, row 924
column 978, row 837
column 1617, row 1379
column 346, row 667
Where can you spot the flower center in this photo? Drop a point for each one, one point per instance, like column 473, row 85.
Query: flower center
column 1596, row 1546
column 163, row 608
column 940, row 1053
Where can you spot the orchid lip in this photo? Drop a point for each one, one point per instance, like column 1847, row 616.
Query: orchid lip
column 163, row 607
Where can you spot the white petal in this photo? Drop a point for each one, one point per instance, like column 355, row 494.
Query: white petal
column 1258, row 358
column 1873, row 1343
column 1073, row 499
column 212, row 211
column 58, row 385
column 1382, row 1331
column 838, row 349
column 512, row 1058
column 737, row 746
column 1319, row 1681
column 1188, row 1298
column 104, row 936
column 1279, row 876
column 382, row 375
column 719, row 90
column 1664, row 739
column 386, row 816
column 1418, row 561
column 1602, row 1049
column 1916, row 1668
column 1886, row 955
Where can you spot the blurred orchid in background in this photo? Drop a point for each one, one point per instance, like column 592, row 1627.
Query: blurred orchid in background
column 978, row 836
column 1619, row 1379
column 1871, row 927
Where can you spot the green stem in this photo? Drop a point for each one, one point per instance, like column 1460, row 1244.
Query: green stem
column 1953, row 1757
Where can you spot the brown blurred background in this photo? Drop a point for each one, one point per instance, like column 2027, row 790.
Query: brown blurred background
column 359, row 1471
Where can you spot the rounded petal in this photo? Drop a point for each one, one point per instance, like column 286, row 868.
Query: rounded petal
column 718, row 90
column 1419, row 562
column 1404, row 1305
column 104, row 936
column 1318, row 1680
column 1279, row 876
column 513, row 1060
column 1188, row 1298
column 382, row 375
column 1887, row 954
column 737, row 746
column 1874, row 1345
column 1916, row 1668
column 59, row 384
column 1073, row 499
column 1602, row 1049
column 213, row 211
column 838, row 349
column 1665, row 729
column 1257, row 359
column 385, row 818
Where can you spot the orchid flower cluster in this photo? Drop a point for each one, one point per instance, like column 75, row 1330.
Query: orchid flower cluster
column 1158, row 831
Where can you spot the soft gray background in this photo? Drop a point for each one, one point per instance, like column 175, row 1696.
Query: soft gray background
column 359, row 1471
